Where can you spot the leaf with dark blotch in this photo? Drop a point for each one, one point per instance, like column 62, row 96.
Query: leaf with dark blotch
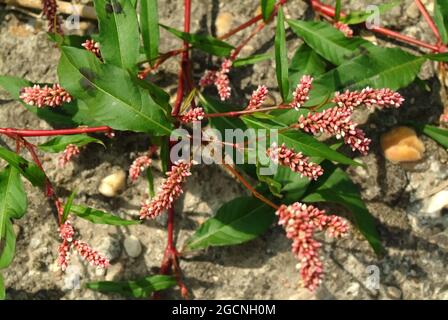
column 119, row 34
column 141, row 288
column 118, row 101
column 29, row 170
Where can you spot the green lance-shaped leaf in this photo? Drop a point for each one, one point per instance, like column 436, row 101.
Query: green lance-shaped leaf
column 328, row 41
column 100, row 217
column 8, row 245
column 2, row 288
column 68, row 206
column 242, row 62
column 439, row 135
column 305, row 62
column 380, row 68
column 337, row 12
column 59, row 143
column 119, row 34
column 149, row 22
column 299, row 141
column 356, row 17
column 267, row 7
column 205, row 43
column 237, row 221
column 29, row 170
column 336, row 186
column 141, row 288
column 69, row 114
column 281, row 56
column 112, row 95
column 13, row 205
column 441, row 18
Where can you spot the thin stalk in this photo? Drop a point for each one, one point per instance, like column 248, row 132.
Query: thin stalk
column 254, row 192
column 429, row 20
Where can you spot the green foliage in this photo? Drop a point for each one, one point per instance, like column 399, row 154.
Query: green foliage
column 438, row 134
column 29, row 170
column 58, row 144
column 237, row 221
column 68, row 206
column 441, row 18
column 149, row 22
column 205, row 43
column 335, row 186
column 119, row 33
column 112, row 95
column 281, row 56
column 141, row 288
column 242, row 62
column 329, row 42
column 267, row 8
column 100, row 217
column 356, row 17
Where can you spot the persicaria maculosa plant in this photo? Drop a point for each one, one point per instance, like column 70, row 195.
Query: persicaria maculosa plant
column 104, row 87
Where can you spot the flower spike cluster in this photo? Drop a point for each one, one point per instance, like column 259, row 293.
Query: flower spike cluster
column 49, row 9
column 296, row 161
column 194, row 114
column 301, row 222
column 171, row 189
column 70, row 151
column 67, row 233
column 92, row 46
column 382, row 98
column 336, row 122
column 219, row 78
column 301, row 94
column 138, row 166
column 344, row 28
column 46, row 96
column 257, row 99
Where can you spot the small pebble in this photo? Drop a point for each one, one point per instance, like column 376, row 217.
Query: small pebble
column 113, row 184
column 132, row 246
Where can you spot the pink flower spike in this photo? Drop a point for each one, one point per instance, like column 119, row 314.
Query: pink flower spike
column 194, row 114
column 70, row 151
column 64, row 254
column 66, row 231
column 296, row 161
column 382, row 98
column 301, row 94
column 138, row 166
column 45, row 96
column 208, row 78
column 92, row 46
column 257, row 98
column 344, row 28
column 90, row 255
column 171, row 189
column 49, row 9
column 336, row 122
column 300, row 222
column 222, row 81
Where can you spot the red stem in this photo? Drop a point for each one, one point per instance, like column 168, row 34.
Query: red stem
column 46, row 133
column 429, row 20
column 330, row 11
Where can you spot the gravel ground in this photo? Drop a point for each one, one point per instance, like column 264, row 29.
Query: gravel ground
column 416, row 241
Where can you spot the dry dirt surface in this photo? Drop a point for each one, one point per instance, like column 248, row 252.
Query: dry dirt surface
column 414, row 266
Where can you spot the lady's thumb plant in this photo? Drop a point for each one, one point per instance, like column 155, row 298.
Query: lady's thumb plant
column 104, row 87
